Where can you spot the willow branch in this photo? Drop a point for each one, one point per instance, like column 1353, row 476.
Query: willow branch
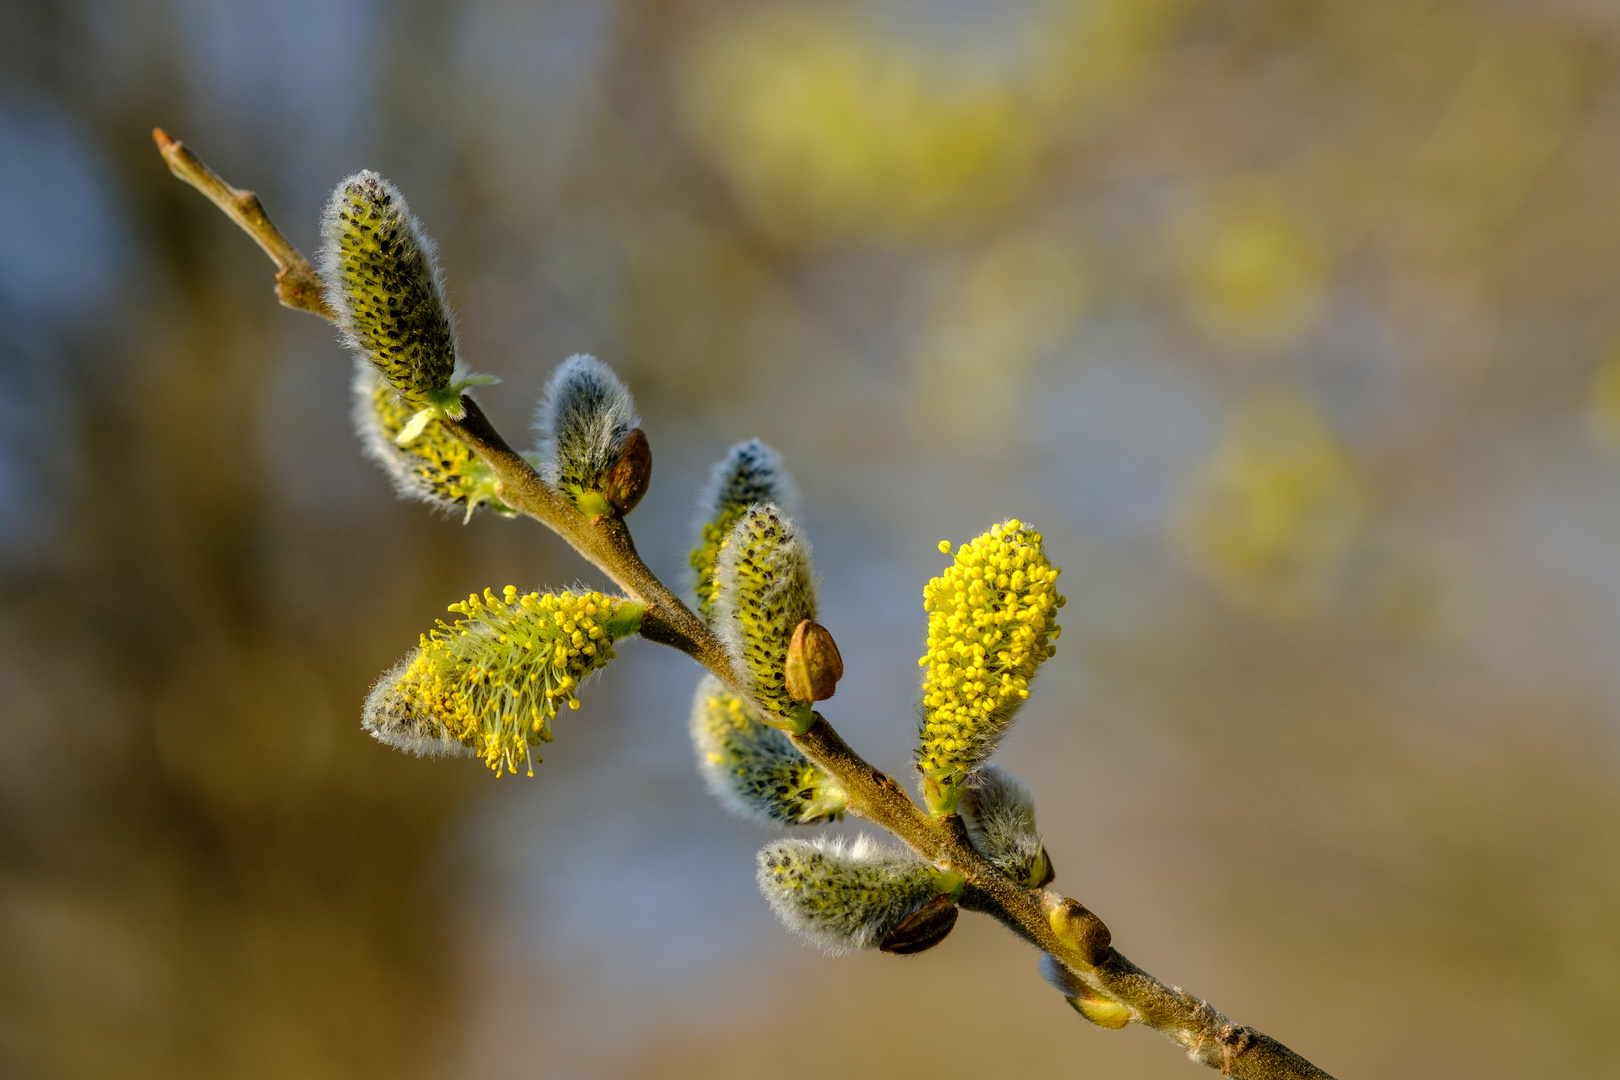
column 297, row 284
column 1051, row 922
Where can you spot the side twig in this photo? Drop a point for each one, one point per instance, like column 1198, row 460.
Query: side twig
column 1051, row 922
column 297, row 284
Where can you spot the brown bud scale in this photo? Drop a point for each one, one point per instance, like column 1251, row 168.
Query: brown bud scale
column 922, row 929
column 627, row 481
column 813, row 663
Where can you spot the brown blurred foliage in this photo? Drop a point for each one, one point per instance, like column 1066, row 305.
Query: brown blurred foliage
column 1291, row 324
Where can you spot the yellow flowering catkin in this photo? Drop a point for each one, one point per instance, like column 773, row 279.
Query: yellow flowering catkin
column 435, row 467
column 383, row 282
column 763, row 590
column 492, row 681
column 991, row 619
column 755, row 770
column 846, row 895
column 750, row 473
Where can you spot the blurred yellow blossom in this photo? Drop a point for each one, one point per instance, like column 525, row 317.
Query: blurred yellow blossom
column 1255, row 271
column 827, row 130
column 1018, row 299
column 1083, row 50
column 1603, row 403
column 1273, row 512
column 1425, row 594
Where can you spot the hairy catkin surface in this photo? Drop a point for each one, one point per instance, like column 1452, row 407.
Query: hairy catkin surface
column 493, row 680
column 754, row 770
column 383, row 283
column 750, row 473
column 584, row 419
column 843, row 895
column 436, row 467
column 765, row 589
column 998, row 810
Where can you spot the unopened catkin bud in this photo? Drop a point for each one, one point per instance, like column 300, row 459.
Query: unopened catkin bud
column 999, row 812
column 631, row 475
column 764, row 590
column 813, row 664
column 847, row 895
column 492, row 681
column 750, row 473
column 584, row 423
column 992, row 618
column 383, row 284
column 1100, row 1009
column 755, row 770
column 435, row 467
column 1077, row 927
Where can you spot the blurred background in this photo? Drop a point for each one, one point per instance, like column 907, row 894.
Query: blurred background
column 1291, row 323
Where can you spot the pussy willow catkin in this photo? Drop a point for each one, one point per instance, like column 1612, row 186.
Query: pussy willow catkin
column 493, row 680
column 992, row 616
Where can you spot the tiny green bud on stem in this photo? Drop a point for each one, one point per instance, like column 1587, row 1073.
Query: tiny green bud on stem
column 1077, row 927
column 1104, row 1011
column 813, row 663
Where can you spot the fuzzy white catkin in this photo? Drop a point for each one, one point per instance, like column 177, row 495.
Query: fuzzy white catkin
column 414, row 731
column 750, row 473
column 843, row 895
column 585, row 417
column 754, row 770
column 436, row 467
column 763, row 589
column 999, row 811
column 384, row 285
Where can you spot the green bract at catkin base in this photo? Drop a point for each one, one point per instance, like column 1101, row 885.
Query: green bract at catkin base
column 991, row 619
column 493, row 681
column 750, row 473
column 847, row 895
column 435, row 467
column 754, row 770
column 384, row 285
column 763, row 590
column 584, row 421
column 998, row 810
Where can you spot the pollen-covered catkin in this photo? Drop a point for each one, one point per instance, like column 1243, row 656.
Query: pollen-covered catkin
column 435, row 467
column 755, row 770
column 999, row 812
column 750, row 473
column 493, row 680
column 764, row 590
column 845, row 895
column 992, row 617
column 383, row 283
column 584, row 420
